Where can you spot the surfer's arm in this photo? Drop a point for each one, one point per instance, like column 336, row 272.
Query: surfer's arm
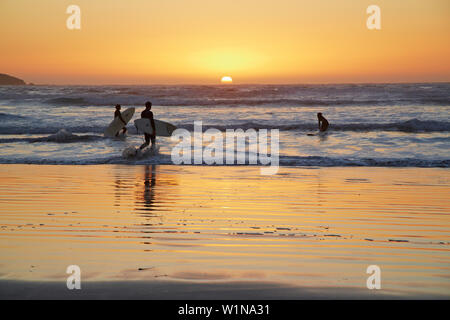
column 121, row 119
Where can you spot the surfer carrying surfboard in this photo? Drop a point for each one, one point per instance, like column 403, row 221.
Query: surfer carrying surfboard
column 117, row 113
column 323, row 123
column 148, row 114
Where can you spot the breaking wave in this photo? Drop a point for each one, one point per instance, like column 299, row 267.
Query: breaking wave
column 413, row 125
column 62, row 136
column 9, row 117
column 433, row 94
column 410, row 126
column 284, row 161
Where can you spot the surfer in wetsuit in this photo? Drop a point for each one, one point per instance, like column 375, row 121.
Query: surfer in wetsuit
column 148, row 114
column 118, row 114
column 323, row 123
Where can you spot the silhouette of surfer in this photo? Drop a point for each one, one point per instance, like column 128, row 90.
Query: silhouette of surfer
column 148, row 114
column 117, row 113
column 323, row 123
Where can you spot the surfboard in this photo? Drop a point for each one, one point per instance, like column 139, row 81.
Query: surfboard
column 116, row 125
column 163, row 129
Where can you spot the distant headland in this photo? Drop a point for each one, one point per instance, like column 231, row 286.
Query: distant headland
column 10, row 80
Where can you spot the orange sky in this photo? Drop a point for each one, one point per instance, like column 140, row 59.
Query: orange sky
column 199, row 41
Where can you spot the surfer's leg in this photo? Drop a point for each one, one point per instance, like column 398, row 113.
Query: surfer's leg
column 147, row 141
column 144, row 145
column 153, row 138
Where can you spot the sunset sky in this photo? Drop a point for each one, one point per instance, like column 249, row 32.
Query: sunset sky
column 200, row 41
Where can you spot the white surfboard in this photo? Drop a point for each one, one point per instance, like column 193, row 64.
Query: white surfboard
column 116, row 125
column 163, row 129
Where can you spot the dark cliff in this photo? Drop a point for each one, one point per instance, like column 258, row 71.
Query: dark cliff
column 9, row 80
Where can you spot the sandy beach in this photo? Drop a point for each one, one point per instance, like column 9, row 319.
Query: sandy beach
column 187, row 231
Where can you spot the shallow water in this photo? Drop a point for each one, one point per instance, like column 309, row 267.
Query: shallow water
column 304, row 226
column 389, row 125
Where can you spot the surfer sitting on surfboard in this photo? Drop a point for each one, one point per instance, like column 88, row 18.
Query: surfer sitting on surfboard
column 323, row 123
column 118, row 114
column 148, row 115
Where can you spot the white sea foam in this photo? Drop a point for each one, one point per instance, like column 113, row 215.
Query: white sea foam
column 129, row 152
column 133, row 153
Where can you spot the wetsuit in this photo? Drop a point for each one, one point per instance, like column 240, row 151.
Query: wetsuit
column 147, row 114
column 324, row 125
column 118, row 114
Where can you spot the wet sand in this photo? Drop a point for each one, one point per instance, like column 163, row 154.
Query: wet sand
column 188, row 290
column 219, row 232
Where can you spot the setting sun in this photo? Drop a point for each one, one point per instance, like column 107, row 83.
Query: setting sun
column 227, row 79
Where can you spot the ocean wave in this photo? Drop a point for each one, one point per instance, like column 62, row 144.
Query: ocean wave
column 409, row 126
column 433, row 94
column 9, row 117
column 413, row 125
column 291, row 161
column 134, row 99
column 62, row 136
column 48, row 129
column 363, row 162
column 66, row 101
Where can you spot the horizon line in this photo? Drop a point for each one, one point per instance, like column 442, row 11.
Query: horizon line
column 234, row 84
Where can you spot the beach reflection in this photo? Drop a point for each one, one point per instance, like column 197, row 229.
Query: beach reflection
column 145, row 198
column 315, row 227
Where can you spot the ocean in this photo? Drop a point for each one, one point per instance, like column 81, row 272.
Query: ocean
column 385, row 125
